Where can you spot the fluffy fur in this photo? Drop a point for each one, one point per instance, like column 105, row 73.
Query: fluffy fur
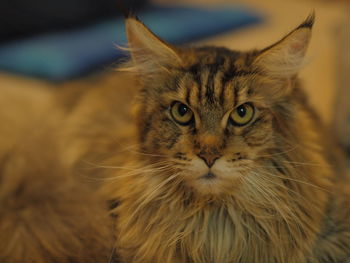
column 275, row 180
column 46, row 214
column 278, row 195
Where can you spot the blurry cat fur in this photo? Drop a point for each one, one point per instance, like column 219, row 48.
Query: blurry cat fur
column 225, row 161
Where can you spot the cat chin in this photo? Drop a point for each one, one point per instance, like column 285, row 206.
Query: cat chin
column 212, row 185
column 214, row 188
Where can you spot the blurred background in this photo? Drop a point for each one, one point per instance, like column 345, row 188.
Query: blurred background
column 47, row 43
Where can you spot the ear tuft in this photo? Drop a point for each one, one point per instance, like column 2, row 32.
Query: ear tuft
column 285, row 58
column 149, row 53
column 129, row 14
column 309, row 21
column 125, row 9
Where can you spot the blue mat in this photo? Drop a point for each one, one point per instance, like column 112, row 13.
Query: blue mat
column 64, row 55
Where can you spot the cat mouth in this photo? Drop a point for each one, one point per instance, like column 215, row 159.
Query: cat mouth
column 208, row 176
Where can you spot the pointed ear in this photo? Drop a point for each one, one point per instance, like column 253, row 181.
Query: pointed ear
column 149, row 53
column 284, row 58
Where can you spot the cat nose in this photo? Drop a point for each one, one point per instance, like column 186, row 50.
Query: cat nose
column 209, row 158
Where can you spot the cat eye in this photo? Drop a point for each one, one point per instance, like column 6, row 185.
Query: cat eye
column 181, row 113
column 242, row 115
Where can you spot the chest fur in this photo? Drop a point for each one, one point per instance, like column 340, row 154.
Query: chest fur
column 208, row 235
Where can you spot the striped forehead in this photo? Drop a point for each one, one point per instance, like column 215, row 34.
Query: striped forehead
column 220, row 84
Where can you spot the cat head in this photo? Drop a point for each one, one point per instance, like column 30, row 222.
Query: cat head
column 215, row 115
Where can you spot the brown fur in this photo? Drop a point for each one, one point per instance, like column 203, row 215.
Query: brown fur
column 280, row 199
column 46, row 215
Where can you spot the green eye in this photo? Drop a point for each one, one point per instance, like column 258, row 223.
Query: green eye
column 181, row 113
column 242, row 115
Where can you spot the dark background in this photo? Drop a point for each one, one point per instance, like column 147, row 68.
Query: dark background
column 24, row 18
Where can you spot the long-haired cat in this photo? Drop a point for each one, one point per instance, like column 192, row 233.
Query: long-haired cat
column 226, row 162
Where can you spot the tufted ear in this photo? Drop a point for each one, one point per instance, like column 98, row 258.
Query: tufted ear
column 149, row 53
column 285, row 58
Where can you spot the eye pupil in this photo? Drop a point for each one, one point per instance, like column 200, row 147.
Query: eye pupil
column 242, row 111
column 182, row 109
column 242, row 115
column 181, row 113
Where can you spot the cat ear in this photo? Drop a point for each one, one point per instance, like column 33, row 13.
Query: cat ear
column 149, row 53
column 285, row 58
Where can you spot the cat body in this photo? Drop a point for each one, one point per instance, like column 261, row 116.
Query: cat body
column 225, row 161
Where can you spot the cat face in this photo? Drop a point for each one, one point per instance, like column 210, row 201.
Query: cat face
column 210, row 124
column 211, row 113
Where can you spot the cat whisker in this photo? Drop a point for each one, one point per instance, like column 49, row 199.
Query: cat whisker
column 162, row 166
column 281, row 185
column 181, row 162
column 272, row 197
column 307, row 164
column 150, row 195
column 132, row 168
column 136, row 146
column 299, row 181
column 141, row 172
column 291, row 162
column 292, row 204
column 111, row 256
column 279, row 153
column 129, row 175
column 148, row 154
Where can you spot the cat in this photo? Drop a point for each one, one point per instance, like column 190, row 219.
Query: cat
column 225, row 161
